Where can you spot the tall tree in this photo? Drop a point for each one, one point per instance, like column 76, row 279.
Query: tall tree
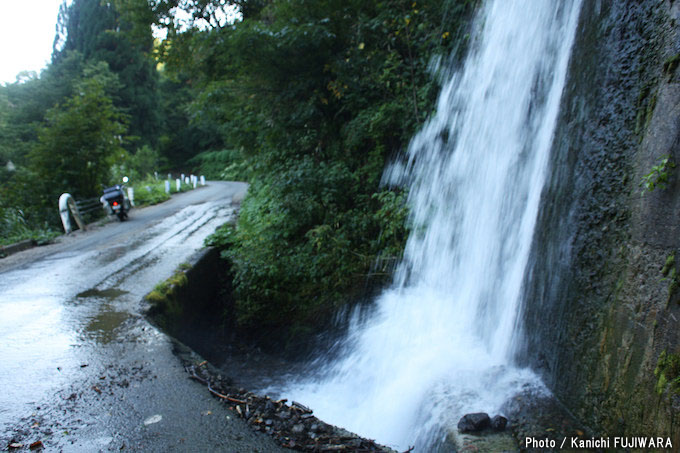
column 97, row 31
column 82, row 138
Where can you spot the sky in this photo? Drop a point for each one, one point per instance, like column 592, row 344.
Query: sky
column 27, row 29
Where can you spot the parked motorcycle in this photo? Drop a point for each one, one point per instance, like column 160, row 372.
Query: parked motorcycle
column 115, row 201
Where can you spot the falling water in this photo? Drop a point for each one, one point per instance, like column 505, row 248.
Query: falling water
column 438, row 344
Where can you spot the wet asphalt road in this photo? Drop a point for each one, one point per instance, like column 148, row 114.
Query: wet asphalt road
column 80, row 367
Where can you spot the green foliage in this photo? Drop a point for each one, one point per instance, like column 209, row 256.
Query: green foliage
column 138, row 166
column 222, row 238
column 150, row 192
column 14, row 228
column 658, row 176
column 98, row 32
column 65, row 147
column 170, row 286
column 392, row 216
column 225, row 164
column 304, row 242
column 145, row 161
column 81, row 140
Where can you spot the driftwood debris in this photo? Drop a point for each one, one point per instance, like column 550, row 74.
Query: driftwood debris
column 291, row 426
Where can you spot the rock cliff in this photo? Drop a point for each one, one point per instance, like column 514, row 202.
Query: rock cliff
column 602, row 311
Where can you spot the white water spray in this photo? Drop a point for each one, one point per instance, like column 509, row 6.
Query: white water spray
column 438, row 344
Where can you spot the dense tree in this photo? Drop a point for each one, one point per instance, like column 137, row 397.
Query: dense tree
column 98, row 32
column 82, row 138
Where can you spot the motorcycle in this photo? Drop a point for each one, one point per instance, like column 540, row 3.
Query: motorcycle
column 115, row 201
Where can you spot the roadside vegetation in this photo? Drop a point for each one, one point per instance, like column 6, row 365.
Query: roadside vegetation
column 306, row 100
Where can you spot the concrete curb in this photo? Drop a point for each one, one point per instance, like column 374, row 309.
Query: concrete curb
column 7, row 250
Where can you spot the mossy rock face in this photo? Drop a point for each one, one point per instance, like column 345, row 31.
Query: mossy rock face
column 668, row 373
column 597, row 313
column 166, row 307
column 670, row 264
column 672, row 276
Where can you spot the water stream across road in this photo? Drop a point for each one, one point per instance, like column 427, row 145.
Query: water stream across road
column 439, row 343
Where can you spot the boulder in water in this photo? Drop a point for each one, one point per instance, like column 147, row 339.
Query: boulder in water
column 472, row 423
column 498, row 423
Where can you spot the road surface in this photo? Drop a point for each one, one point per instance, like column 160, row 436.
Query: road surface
column 81, row 369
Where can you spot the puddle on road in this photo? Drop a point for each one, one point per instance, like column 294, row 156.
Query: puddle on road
column 102, row 328
column 110, row 293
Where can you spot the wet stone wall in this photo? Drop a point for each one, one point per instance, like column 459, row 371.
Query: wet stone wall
column 600, row 307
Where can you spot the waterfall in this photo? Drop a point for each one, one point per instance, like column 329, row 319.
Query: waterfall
column 438, row 343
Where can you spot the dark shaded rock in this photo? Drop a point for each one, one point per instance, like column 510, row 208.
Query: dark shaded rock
column 472, row 423
column 499, row 423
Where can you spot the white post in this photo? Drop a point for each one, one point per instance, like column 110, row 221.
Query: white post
column 167, row 186
column 169, row 176
column 186, row 180
column 63, row 212
column 131, row 196
column 202, row 180
column 178, row 184
column 182, row 177
column 195, row 181
column 155, row 175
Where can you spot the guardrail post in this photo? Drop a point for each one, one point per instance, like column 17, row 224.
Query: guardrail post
column 178, row 184
column 167, row 186
column 66, row 203
column 131, row 196
column 202, row 180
